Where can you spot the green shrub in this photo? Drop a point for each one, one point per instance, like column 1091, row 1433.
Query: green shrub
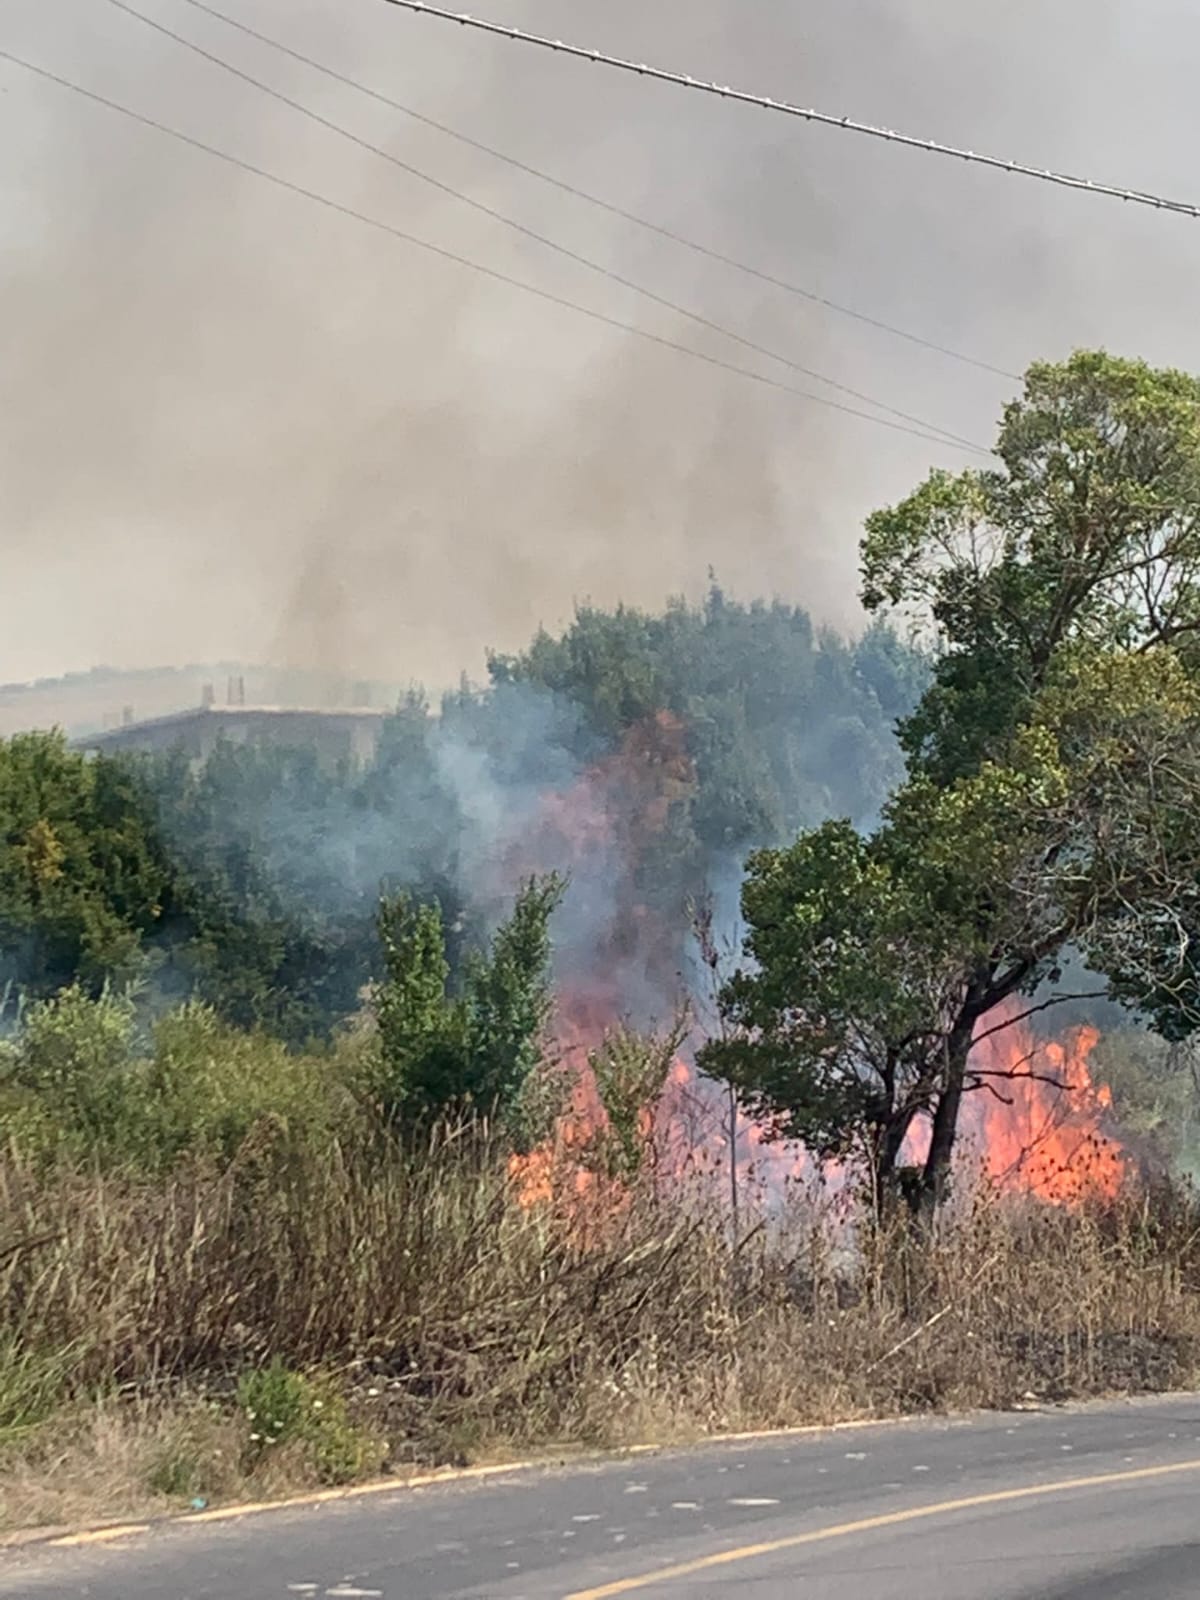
column 77, row 1084
column 207, row 1085
column 66, row 1071
column 285, row 1407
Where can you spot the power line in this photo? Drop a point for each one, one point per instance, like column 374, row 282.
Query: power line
column 826, row 118
column 604, row 205
column 531, row 233
column 483, row 270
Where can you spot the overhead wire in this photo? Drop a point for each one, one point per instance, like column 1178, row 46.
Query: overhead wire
column 683, row 80
column 663, row 301
column 590, row 198
column 442, row 253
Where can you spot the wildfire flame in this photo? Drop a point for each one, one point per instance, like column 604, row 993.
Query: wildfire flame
column 1034, row 1121
column 1040, row 1121
column 561, row 1175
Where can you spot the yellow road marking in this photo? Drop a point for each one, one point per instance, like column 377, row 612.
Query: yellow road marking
column 358, row 1491
column 891, row 1519
column 124, row 1530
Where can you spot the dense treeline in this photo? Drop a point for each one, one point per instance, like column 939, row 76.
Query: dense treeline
column 252, row 881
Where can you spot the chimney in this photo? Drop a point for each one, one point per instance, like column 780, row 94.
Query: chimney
column 208, row 695
column 127, row 716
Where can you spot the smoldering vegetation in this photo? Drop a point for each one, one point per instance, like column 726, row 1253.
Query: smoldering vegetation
column 320, row 1310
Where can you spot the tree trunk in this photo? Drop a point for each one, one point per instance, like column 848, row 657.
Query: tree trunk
column 935, row 1180
column 885, row 1166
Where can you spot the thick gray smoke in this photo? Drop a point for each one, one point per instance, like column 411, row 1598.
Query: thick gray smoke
column 238, row 426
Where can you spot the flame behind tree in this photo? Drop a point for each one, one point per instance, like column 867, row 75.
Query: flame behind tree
column 1035, row 1122
column 638, row 1110
column 1052, row 801
column 1045, row 1130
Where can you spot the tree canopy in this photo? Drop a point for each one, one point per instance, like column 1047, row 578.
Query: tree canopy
column 84, row 876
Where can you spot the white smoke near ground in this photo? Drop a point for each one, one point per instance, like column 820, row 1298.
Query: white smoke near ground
column 240, row 427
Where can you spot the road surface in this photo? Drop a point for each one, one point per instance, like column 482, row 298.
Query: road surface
column 1095, row 1503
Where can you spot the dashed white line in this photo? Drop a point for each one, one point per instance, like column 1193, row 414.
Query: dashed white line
column 748, row 1500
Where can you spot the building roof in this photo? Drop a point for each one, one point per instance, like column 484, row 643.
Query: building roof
column 180, row 720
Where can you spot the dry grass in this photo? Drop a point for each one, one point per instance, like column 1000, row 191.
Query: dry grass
column 453, row 1323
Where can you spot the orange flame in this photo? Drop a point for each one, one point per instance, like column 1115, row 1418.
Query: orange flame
column 1034, row 1119
column 1039, row 1120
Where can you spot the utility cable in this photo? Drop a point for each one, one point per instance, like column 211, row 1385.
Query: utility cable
column 826, row 118
column 494, row 273
column 530, row 233
column 602, row 204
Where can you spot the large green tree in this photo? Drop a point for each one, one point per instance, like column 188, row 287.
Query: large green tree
column 1052, row 798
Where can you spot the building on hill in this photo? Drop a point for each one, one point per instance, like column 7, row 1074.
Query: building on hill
column 336, row 734
column 87, row 704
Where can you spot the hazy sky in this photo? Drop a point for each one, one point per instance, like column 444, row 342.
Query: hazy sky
column 234, row 424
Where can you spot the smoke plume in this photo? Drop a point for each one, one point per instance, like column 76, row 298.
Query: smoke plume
column 239, row 426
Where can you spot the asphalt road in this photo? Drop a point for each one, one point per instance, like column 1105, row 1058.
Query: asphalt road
column 1098, row 1503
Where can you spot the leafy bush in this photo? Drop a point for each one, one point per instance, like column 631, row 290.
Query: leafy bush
column 285, row 1407
column 79, row 1082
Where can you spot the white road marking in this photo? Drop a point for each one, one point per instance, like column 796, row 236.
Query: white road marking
column 748, row 1500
